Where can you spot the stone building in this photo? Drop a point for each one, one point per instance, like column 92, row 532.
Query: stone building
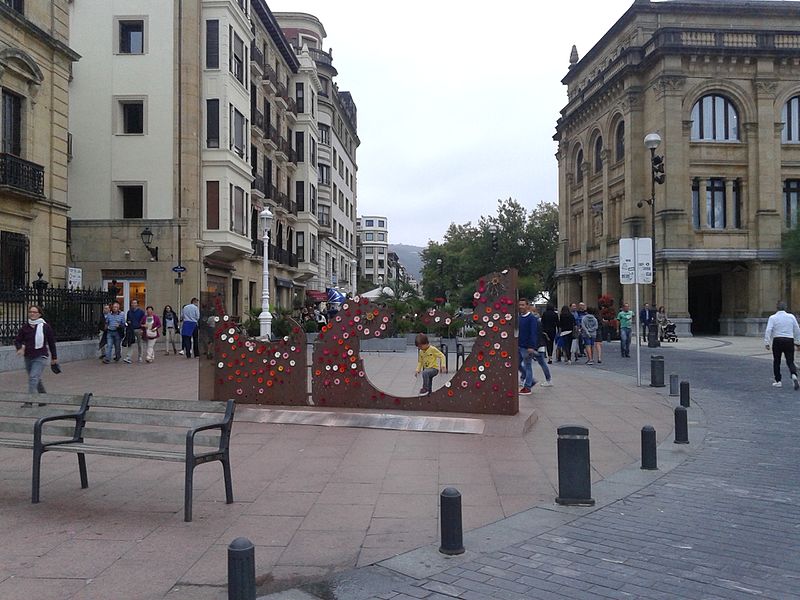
column 720, row 83
column 35, row 66
column 373, row 248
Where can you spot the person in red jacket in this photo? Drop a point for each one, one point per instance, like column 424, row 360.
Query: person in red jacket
column 34, row 339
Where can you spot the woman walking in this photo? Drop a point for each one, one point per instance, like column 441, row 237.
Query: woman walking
column 33, row 341
column 549, row 326
column 150, row 325
column 169, row 321
column 566, row 323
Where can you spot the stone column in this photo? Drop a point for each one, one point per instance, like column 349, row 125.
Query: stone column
column 591, row 287
column 675, row 296
column 702, row 202
column 729, row 221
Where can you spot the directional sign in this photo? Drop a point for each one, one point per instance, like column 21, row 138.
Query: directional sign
column 179, row 269
column 635, row 260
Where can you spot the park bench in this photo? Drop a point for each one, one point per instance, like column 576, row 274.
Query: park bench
column 171, row 430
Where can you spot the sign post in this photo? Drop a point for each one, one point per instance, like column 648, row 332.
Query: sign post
column 636, row 267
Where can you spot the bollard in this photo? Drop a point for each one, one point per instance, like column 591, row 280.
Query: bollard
column 673, row 384
column 574, row 474
column 681, row 426
column 649, row 457
column 241, row 570
column 452, row 531
column 685, row 394
column 443, row 348
column 656, row 371
column 459, row 354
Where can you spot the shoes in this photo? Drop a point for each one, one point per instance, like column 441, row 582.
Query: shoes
column 777, row 384
column 140, row 359
column 796, row 382
column 127, row 360
column 526, row 391
column 547, row 384
column 105, row 362
column 589, row 362
column 599, row 362
column 569, row 362
column 550, row 361
column 181, row 352
column 116, row 358
column 148, row 361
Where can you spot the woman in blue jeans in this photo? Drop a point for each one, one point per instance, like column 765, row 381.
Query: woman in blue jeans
column 34, row 339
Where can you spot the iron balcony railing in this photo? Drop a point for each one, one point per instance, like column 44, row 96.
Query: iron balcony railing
column 256, row 55
column 258, row 248
column 21, row 175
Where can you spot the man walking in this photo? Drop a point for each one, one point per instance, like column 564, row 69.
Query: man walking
column 115, row 324
column 782, row 334
column 189, row 335
column 527, row 341
column 133, row 330
column 625, row 316
column 646, row 316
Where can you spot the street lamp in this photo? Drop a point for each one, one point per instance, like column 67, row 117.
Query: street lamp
column 657, row 176
column 147, row 239
column 265, row 318
column 353, row 270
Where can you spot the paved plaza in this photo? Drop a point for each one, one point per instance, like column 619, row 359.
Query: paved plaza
column 319, row 501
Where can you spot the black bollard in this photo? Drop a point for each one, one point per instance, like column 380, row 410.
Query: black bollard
column 459, row 354
column 656, row 371
column 681, row 426
column 443, row 348
column 673, row 384
column 649, row 457
column 685, row 394
column 574, row 473
column 241, row 570
column 452, row 531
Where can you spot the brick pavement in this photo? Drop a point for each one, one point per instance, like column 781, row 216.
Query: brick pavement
column 314, row 500
column 721, row 524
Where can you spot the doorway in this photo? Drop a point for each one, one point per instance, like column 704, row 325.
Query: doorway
column 705, row 303
column 127, row 290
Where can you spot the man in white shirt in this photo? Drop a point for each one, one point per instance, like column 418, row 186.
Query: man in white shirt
column 190, row 316
column 782, row 333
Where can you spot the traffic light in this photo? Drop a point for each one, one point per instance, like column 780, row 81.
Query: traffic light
column 494, row 242
column 658, row 169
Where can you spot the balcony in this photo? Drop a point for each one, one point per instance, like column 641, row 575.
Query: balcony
column 256, row 58
column 259, row 185
column 322, row 58
column 282, row 95
column 258, row 249
column 271, row 136
column 283, row 148
column 21, row 176
column 270, row 77
column 282, row 256
column 258, row 119
column 325, row 226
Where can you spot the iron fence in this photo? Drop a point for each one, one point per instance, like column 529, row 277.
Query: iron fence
column 73, row 314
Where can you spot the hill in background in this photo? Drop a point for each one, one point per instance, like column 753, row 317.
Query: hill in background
column 409, row 258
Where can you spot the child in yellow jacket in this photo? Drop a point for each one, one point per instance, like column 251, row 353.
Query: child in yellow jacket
column 431, row 362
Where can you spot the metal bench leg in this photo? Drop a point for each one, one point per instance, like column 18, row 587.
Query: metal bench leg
column 187, row 499
column 37, row 465
column 82, row 469
column 226, row 471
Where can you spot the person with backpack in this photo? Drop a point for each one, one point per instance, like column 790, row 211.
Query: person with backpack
column 589, row 326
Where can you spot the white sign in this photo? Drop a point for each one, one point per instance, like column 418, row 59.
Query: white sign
column 635, row 260
column 74, row 278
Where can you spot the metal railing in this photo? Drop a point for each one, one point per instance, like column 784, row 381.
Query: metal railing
column 21, row 175
column 258, row 119
column 73, row 314
column 282, row 256
column 321, row 56
column 258, row 247
column 256, row 55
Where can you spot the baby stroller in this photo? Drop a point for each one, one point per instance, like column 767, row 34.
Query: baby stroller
column 669, row 332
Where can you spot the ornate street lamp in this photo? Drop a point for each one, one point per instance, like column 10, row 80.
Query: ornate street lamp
column 657, row 176
column 265, row 318
column 147, row 239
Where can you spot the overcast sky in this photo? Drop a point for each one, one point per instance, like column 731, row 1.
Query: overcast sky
column 456, row 106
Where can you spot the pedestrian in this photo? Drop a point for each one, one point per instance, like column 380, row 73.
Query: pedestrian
column 150, row 324
column 566, row 327
column 33, row 342
column 580, row 312
column 115, row 328
column 189, row 335
column 549, row 325
column 646, row 316
column 783, row 334
column 101, row 326
column 661, row 321
column 527, row 341
column 589, row 327
column 430, row 363
column 169, row 322
column 133, row 331
column 541, row 350
column 625, row 316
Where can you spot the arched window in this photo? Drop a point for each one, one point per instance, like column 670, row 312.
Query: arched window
column 578, row 164
column 620, row 140
column 714, row 118
column 791, row 121
column 598, row 155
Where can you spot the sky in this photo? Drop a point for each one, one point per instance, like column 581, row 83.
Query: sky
column 457, row 107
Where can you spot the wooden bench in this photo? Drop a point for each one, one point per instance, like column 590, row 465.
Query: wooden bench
column 170, row 430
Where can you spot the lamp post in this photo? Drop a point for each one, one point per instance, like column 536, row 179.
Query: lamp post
column 265, row 318
column 353, row 279
column 651, row 142
column 493, row 232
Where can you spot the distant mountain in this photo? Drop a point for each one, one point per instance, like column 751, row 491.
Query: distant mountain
column 409, row 258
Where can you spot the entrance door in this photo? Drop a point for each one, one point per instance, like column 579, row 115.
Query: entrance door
column 705, row 303
column 127, row 290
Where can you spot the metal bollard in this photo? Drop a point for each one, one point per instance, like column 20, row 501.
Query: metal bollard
column 649, row 457
column 443, row 348
column 685, row 394
column 574, row 473
column 656, row 371
column 450, row 517
column 459, row 354
column 241, row 570
column 681, row 426
column 673, row 384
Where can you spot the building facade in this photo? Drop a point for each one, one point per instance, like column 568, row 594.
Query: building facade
column 372, row 236
column 35, row 65
column 719, row 83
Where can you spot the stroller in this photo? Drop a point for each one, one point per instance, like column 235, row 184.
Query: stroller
column 669, row 334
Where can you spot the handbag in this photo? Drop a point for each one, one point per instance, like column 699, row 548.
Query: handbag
column 151, row 333
column 575, row 348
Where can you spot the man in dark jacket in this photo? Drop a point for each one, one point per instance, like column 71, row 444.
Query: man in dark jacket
column 646, row 316
column 527, row 341
column 133, row 329
column 549, row 325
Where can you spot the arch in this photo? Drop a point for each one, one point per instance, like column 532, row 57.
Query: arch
column 790, row 117
column 597, row 154
column 577, row 162
column 715, row 119
column 616, row 137
column 32, row 71
column 742, row 100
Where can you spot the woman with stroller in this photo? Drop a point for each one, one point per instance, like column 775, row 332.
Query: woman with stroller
column 661, row 321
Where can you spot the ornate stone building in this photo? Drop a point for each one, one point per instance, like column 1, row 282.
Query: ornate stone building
column 35, row 66
column 720, row 83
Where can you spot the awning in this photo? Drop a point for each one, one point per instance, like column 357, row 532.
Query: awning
column 281, row 282
column 316, row 296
